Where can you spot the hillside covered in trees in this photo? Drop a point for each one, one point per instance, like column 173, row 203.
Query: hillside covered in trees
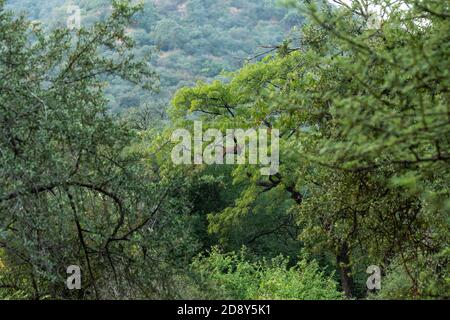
column 184, row 40
column 357, row 90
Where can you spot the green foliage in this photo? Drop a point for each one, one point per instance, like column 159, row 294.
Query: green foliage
column 187, row 39
column 74, row 189
column 362, row 112
column 426, row 270
column 234, row 277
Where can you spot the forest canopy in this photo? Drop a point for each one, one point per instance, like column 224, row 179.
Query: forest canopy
column 359, row 92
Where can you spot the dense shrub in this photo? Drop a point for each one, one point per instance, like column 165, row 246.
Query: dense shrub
column 234, row 276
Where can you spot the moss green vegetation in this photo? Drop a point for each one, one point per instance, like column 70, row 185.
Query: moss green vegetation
column 362, row 105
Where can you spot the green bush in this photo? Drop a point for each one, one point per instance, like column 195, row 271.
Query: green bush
column 233, row 276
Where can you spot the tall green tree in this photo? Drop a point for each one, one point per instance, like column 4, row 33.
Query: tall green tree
column 73, row 190
column 362, row 106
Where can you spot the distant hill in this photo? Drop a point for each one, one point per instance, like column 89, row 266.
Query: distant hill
column 191, row 40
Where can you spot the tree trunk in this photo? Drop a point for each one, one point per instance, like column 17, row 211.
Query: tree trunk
column 343, row 261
